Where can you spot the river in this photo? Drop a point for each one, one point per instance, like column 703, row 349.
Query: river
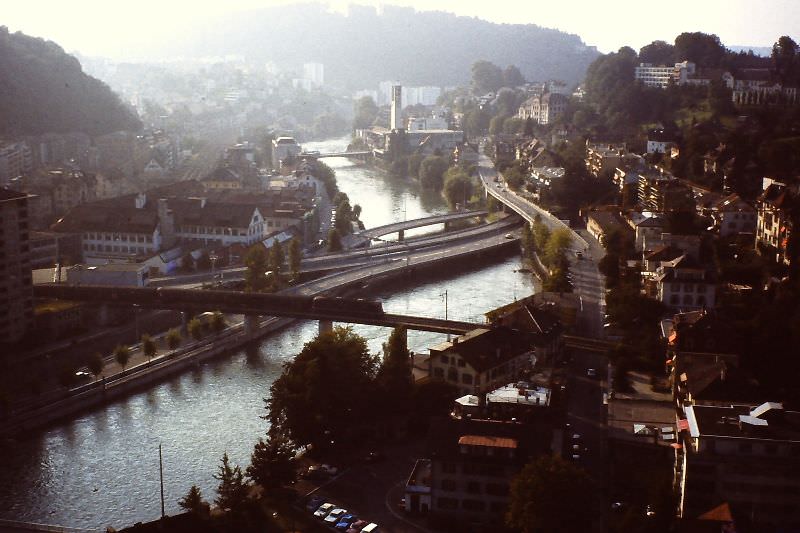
column 101, row 468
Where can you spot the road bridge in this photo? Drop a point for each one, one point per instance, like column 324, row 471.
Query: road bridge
column 326, row 310
column 401, row 227
column 360, row 154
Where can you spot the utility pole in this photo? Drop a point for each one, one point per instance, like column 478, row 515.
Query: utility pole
column 161, row 475
column 445, row 310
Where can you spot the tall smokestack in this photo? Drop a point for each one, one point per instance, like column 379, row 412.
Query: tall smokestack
column 395, row 120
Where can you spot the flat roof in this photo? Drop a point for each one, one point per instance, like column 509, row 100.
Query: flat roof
column 489, row 442
column 741, row 422
column 520, row 393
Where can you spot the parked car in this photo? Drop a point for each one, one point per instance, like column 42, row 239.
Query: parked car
column 328, row 469
column 591, row 373
column 324, row 510
column 370, row 528
column 357, row 526
column 579, row 254
column 649, row 511
column 345, row 521
column 509, row 236
column 335, row 515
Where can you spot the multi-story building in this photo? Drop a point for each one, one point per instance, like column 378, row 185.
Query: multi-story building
column 544, row 108
column 284, row 148
column 16, row 289
column 774, row 225
column 603, row 157
column 733, row 216
column 654, row 75
column 660, row 192
column 747, row 456
column 482, row 359
column 15, row 159
column 683, row 283
column 315, row 73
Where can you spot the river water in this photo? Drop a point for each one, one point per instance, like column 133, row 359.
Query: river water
column 101, row 468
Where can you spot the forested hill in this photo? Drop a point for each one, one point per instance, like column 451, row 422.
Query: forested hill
column 415, row 48
column 43, row 89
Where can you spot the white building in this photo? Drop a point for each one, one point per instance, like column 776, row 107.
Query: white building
column 315, row 73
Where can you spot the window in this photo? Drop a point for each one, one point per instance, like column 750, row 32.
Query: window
column 461, row 363
column 687, row 299
column 496, row 489
column 447, row 503
column 445, row 359
column 449, row 468
column 745, row 447
column 438, row 372
column 497, row 507
column 448, row 484
column 452, row 374
column 473, row 487
column 466, row 379
column 473, row 505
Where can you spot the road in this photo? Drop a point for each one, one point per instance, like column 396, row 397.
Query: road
column 586, row 411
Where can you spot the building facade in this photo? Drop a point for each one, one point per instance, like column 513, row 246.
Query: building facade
column 16, row 288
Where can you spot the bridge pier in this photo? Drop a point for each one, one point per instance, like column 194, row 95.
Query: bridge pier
column 401, row 235
column 250, row 325
column 325, row 326
column 185, row 323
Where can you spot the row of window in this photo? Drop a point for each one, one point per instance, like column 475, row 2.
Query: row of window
column 115, row 248
column 474, row 469
column 688, row 299
column 122, row 237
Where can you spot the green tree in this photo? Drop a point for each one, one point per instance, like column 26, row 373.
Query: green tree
column 412, row 164
column 95, row 364
column 507, row 102
column 276, row 258
column 327, row 176
column 496, row 124
column 702, row 48
column 204, row 261
column 255, row 277
column 195, row 329
column 431, row 171
column 272, row 462
column 366, row 111
column 557, row 244
column 512, row 77
column 476, row 122
column 394, row 377
column 550, row 495
column 217, row 322
column 486, row 77
column 148, row 346
column 193, row 501
column 173, row 338
column 658, row 53
column 457, row 187
column 334, row 240
column 232, row 490
column 295, row 257
column 308, row 399
column 122, row 355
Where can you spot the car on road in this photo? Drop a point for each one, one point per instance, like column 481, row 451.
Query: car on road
column 335, row 515
column 649, row 511
column 370, row 528
column 357, row 526
column 576, row 436
column 80, row 374
column 509, row 236
column 345, row 521
column 324, row 510
column 591, row 373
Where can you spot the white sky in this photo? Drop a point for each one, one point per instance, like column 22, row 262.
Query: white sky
column 115, row 28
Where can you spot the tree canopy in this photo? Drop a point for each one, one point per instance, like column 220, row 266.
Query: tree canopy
column 550, row 495
column 330, row 381
column 45, row 90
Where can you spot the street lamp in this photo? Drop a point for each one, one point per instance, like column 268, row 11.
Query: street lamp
column 213, row 258
column 445, row 309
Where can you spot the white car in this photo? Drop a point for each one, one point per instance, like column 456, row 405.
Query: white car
column 334, row 515
column 324, row 509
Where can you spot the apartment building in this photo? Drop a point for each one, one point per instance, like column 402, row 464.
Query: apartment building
column 16, row 292
column 773, row 223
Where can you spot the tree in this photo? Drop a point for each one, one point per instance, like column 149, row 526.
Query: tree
column 476, row 122
column 276, row 258
column 255, row 277
column 366, row 111
column 95, row 364
column 486, row 77
column 457, row 187
column 507, row 102
column 394, row 377
column 550, row 495
column 295, row 257
column 512, row 77
column 272, row 462
column 173, row 338
column 557, row 243
column 334, row 240
column 122, row 355
column 308, row 399
column 195, row 329
column 148, row 346
column 232, row 490
column 193, row 501
column 658, row 53
column 217, row 322
column 496, row 124
column 431, row 171
column 702, row 48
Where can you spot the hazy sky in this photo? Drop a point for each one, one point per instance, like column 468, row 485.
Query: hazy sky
column 115, row 29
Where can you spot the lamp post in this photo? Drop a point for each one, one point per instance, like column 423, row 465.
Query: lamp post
column 445, row 310
column 213, row 258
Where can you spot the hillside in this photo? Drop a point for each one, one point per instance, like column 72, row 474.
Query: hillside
column 415, row 48
column 44, row 89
